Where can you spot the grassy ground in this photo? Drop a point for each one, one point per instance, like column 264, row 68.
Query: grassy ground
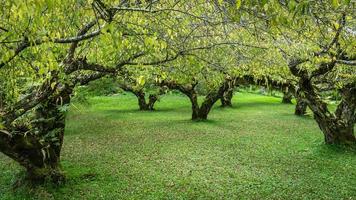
column 256, row 150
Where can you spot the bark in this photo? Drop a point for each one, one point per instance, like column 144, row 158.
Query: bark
column 152, row 99
column 38, row 147
column 193, row 97
column 143, row 104
column 287, row 97
column 301, row 107
column 211, row 99
column 40, row 159
column 141, row 100
column 340, row 129
column 226, row 99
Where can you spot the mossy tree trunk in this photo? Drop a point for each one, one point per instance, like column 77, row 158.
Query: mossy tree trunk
column 38, row 147
column 40, row 158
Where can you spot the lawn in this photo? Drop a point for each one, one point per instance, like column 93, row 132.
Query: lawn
column 256, row 150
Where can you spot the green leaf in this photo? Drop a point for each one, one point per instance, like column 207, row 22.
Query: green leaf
column 264, row 2
column 335, row 3
column 238, row 4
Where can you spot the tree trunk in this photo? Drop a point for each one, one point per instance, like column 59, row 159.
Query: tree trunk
column 198, row 112
column 301, row 107
column 340, row 129
column 39, row 175
column 189, row 91
column 38, row 147
column 336, row 131
column 50, row 127
column 206, row 106
column 226, row 99
column 212, row 98
column 152, row 99
column 40, row 158
column 287, row 97
column 143, row 104
column 193, row 97
column 141, row 100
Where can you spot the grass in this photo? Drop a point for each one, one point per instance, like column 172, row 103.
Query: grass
column 256, row 150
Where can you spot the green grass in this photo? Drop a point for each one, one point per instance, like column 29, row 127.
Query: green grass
column 256, row 150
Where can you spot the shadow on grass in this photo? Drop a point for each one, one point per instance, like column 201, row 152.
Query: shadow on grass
column 330, row 151
column 239, row 105
column 137, row 111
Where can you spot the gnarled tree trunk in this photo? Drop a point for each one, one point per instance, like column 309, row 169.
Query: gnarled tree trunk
column 40, row 158
column 143, row 104
column 338, row 127
column 211, row 99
